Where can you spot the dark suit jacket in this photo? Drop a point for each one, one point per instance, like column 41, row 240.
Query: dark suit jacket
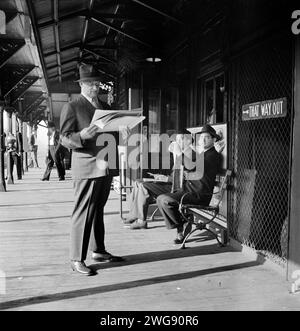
column 32, row 140
column 87, row 159
column 56, row 138
column 205, row 185
column 19, row 142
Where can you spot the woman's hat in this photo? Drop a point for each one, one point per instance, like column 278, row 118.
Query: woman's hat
column 209, row 129
column 88, row 73
column 183, row 131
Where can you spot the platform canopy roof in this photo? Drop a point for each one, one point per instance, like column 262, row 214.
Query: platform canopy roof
column 115, row 35
column 23, row 88
column 47, row 40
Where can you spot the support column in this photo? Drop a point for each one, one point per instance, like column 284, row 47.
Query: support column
column 20, row 129
column 13, row 124
column 9, row 122
column 20, row 126
column 5, row 122
column 2, row 150
column 10, row 179
column 294, row 242
column 25, row 144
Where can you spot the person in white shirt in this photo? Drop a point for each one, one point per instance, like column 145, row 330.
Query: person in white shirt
column 146, row 191
column 54, row 154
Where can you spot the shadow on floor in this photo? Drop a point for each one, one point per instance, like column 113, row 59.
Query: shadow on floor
column 36, row 203
column 46, row 218
column 164, row 255
column 121, row 286
column 35, row 219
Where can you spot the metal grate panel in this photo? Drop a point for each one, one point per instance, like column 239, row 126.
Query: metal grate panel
column 263, row 147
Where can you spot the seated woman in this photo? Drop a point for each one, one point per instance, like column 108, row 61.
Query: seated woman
column 144, row 192
column 199, row 183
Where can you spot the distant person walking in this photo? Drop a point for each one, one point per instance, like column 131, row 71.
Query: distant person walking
column 33, row 148
column 54, row 154
column 13, row 156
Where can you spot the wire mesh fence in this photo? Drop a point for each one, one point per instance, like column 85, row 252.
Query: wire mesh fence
column 260, row 203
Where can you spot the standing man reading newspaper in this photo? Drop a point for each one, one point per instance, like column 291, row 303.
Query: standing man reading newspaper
column 92, row 179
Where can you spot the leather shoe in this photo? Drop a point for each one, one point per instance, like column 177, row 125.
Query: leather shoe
column 183, row 232
column 139, row 224
column 81, row 268
column 179, row 239
column 106, row 257
column 63, row 178
column 129, row 221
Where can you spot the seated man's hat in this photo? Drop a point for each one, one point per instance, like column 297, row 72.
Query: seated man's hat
column 209, row 129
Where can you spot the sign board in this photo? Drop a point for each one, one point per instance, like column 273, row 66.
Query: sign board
column 264, row 109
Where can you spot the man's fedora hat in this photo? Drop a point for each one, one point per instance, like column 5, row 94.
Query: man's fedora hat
column 208, row 129
column 88, row 73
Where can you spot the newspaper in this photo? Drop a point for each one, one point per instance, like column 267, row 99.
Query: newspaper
column 113, row 120
column 158, row 177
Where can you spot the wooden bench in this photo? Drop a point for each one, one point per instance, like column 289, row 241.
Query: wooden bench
column 207, row 217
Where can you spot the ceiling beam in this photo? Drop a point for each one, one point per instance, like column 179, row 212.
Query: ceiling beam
column 102, row 47
column 79, row 45
column 106, row 73
column 125, row 17
column 86, row 27
column 76, row 59
column 157, row 11
column 48, row 23
column 87, row 49
column 73, row 59
column 64, row 48
column 63, row 72
column 110, row 26
column 56, row 37
column 85, row 13
column 37, row 37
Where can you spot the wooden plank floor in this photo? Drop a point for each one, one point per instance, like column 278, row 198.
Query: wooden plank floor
column 34, row 238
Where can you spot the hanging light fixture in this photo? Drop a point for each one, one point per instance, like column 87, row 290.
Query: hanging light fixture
column 155, row 59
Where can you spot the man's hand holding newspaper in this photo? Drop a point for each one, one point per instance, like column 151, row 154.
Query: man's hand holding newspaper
column 117, row 120
column 89, row 133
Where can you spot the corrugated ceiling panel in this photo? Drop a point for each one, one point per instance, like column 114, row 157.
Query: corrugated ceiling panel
column 71, row 30
column 69, row 65
column 47, row 38
column 68, row 6
column 96, row 30
column 43, row 9
column 50, row 60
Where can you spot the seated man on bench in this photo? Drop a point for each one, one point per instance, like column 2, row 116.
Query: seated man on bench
column 143, row 192
column 200, row 183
